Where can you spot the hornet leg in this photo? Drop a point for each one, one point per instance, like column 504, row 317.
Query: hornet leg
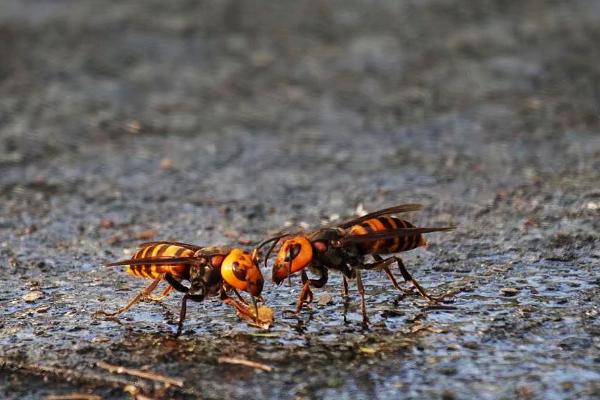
column 344, row 286
column 384, row 264
column 136, row 299
column 176, row 284
column 239, row 296
column 241, row 306
column 186, row 297
column 306, row 295
column 361, row 290
column 164, row 294
column 408, row 278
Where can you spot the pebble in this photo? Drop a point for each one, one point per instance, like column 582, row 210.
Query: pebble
column 146, row 234
column 107, row 223
column 507, row 291
column 166, row 163
column 325, row 299
column 33, row 296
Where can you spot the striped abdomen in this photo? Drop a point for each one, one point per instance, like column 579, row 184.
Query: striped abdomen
column 160, row 250
column 382, row 246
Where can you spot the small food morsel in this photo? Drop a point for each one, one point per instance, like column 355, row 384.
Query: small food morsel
column 263, row 320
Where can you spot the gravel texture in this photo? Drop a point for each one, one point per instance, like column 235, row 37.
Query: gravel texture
column 218, row 122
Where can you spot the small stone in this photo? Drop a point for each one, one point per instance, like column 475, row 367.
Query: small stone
column 324, row 299
column 592, row 313
column 106, row 223
column 146, row 234
column 592, row 205
column 133, row 126
column 262, row 58
column 471, row 345
column 448, row 395
column 131, row 389
column 231, row 234
column 507, row 291
column 166, row 163
column 435, row 329
column 524, row 392
column 244, row 241
column 567, row 385
column 33, row 296
column 368, row 350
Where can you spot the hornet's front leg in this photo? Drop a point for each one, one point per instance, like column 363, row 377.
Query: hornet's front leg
column 306, row 295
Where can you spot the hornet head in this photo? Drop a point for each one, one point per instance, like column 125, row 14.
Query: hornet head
column 240, row 270
column 295, row 254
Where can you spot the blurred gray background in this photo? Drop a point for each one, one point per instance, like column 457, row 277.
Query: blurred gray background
column 218, row 122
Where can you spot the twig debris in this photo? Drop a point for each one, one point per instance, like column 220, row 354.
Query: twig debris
column 73, row 396
column 153, row 376
column 247, row 363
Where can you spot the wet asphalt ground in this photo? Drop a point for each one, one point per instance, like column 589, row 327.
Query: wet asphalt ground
column 219, row 122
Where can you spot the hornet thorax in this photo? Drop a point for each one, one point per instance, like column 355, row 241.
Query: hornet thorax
column 329, row 253
column 205, row 279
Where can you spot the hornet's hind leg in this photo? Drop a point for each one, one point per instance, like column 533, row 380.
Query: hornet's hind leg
column 344, row 286
column 164, row 294
column 405, row 274
column 144, row 293
column 384, row 265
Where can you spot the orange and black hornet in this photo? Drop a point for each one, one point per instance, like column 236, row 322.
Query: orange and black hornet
column 344, row 248
column 210, row 271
